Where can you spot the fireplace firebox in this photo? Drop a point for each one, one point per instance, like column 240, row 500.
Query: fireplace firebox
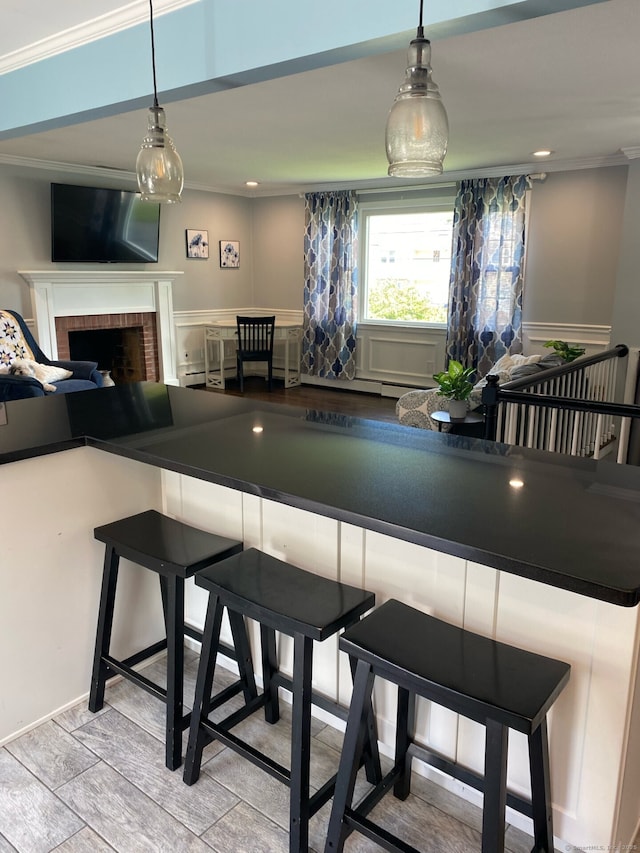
column 124, row 344
column 118, row 351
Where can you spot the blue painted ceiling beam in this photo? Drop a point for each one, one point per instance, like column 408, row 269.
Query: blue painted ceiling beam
column 213, row 45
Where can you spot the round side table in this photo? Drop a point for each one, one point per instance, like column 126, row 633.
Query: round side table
column 444, row 418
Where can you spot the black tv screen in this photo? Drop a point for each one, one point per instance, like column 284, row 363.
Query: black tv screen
column 98, row 225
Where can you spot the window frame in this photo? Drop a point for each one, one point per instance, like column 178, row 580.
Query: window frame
column 434, row 204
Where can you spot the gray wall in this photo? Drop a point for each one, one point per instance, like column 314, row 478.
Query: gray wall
column 278, row 228
column 575, row 225
column 24, row 233
column 573, row 240
column 25, row 240
column 626, row 312
column 205, row 285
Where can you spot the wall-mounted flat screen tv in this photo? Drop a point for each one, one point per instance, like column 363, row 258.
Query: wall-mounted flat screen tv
column 97, row 225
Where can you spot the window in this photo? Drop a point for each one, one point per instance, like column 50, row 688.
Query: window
column 406, row 262
column 495, row 286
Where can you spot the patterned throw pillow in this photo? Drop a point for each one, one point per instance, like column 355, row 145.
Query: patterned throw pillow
column 12, row 342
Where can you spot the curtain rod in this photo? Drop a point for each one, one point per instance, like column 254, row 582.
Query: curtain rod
column 534, row 176
column 408, row 188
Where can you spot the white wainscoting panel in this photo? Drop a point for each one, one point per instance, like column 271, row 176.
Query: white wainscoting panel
column 399, row 355
column 210, row 507
column 190, row 325
column 310, row 542
column 594, row 339
column 390, row 359
column 434, row 583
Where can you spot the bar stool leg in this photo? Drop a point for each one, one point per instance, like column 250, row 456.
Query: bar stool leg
column 495, row 790
column 300, row 744
column 243, row 655
column 103, row 633
column 269, row 669
column 541, row 789
column 173, row 587
column 372, row 767
column 352, row 747
column 204, row 683
column 405, row 733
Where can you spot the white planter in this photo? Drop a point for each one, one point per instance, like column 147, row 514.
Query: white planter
column 457, row 409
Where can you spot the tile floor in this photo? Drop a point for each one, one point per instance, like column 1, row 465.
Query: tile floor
column 97, row 782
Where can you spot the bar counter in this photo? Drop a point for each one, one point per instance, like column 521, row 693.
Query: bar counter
column 572, row 523
column 535, row 549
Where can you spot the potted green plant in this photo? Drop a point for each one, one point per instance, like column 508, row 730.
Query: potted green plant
column 455, row 384
column 569, row 352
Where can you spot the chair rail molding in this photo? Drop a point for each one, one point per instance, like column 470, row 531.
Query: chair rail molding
column 189, row 326
column 593, row 338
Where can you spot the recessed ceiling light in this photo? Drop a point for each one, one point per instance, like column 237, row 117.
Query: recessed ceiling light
column 252, row 183
column 543, row 152
column 516, row 483
column 257, row 429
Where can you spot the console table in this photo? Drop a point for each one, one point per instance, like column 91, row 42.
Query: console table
column 216, row 336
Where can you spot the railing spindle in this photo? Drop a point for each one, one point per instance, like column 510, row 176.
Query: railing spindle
column 571, row 411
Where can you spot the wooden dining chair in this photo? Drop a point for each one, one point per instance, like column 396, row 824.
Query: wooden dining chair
column 255, row 343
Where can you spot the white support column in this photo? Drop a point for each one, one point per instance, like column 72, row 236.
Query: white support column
column 167, row 354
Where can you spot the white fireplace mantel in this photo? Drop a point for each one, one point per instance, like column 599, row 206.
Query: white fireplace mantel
column 74, row 293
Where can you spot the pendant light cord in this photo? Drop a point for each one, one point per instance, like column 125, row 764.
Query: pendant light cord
column 153, row 53
column 420, row 27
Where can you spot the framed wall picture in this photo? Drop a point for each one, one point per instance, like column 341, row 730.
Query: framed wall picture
column 197, row 243
column 229, row 254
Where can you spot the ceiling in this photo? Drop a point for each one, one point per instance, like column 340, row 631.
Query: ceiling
column 568, row 81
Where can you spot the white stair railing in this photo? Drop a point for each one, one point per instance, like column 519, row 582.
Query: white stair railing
column 546, row 417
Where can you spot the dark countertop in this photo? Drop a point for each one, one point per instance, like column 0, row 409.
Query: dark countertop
column 574, row 524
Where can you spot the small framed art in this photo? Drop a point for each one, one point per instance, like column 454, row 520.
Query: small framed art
column 197, row 243
column 229, row 254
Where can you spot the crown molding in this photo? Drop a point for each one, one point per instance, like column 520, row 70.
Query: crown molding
column 384, row 184
column 70, row 168
column 377, row 184
column 105, row 25
column 98, row 172
column 536, row 170
column 631, row 152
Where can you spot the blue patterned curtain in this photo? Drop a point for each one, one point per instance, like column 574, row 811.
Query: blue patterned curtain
column 485, row 290
column 330, row 285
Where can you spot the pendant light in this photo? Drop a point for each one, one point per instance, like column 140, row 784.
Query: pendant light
column 417, row 127
column 158, row 167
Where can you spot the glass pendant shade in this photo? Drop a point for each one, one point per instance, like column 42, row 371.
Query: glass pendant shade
column 158, row 166
column 417, row 132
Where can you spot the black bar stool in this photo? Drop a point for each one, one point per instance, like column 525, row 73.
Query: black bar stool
column 284, row 598
column 175, row 551
column 492, row 683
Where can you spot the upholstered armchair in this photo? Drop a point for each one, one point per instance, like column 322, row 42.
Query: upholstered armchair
column 416, row 407
column 17, row 342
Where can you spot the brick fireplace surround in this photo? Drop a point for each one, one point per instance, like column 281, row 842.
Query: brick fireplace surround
column 146, row 322
column 87, row 299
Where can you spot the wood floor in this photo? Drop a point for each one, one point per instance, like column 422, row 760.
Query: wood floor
column 94, row 783
column 345, row 402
